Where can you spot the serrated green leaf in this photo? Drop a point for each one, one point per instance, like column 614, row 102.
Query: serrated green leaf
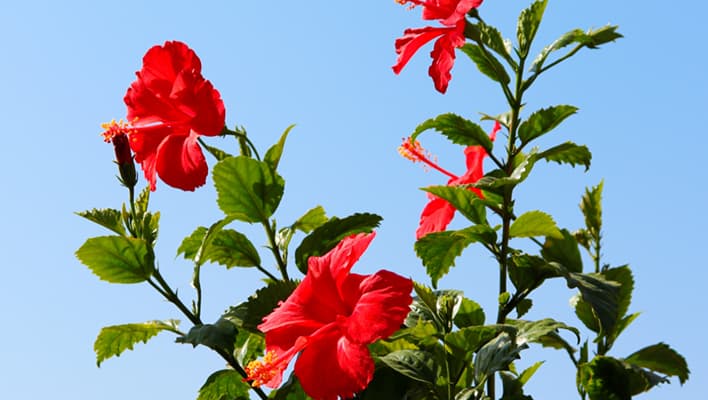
column 497, row 179
column 574, row 36
column 325, row 237
column 114, row 340
column 523, row 307
column 623, row 276
column 661, row 358
column 584, row 313
column 106, row 217
column 568, row 153
column 469, row 314
column 249, row 314
column 544, row 121
column 496, row 355
column 438, row 250
column 247, row 189
column 463, row 199
column 416, row 364
column 529, row 372
column 218, row 336
column 527, row 272
column 312, row 219
column 600, row 294
column 513, row 388
column 143, row 201
column 606, row 34
column 493, row 39
column 248, row 346
column 290, row 390
column 591, row 206
column 535, row 331
column 117, row 259
column 272, row 156
column 190, row 245
column 605, row 378
column 534, row 223
column 387, row 384
column 226, row 384
column 527, row 26
column 486, row 63
column 457, row 129
column 563, row 250
column 465, row 341
column 231, row 249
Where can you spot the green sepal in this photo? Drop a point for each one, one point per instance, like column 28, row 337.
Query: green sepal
column 534, row 223
column 568, row 153
column 486, row 63
column 662, row 359
column 527, row 26
column 114, row 340
column 247, row 189
column 326, row 236
column 544, row 121
column 117, row 259
column 272, row 156
column 226, row 384
column 463, row 199
column 438, row 250
column 457, row 129
column 106, row 217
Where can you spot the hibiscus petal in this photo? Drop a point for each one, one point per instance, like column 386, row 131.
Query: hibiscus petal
column 334, row 367
column 443, row 55
column 412, row 40
column 180, row 162
column 436, row 215
column 382, row 307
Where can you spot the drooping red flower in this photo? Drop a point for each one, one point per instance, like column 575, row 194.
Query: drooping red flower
column 170, row 105
column 451, row 14
column 438, row 213
column 329, row 320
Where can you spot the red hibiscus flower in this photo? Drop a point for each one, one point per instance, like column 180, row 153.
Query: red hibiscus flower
column 438, row 213
column 451, row 14
column 170, row 105
column 330, row 319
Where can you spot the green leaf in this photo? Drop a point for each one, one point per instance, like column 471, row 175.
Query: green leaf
column 117, row 259
column 114, row 340
column 563, row 250
column 623, row 276
column 438, row 250
column 534, row 223
column 457, row 129
column 469, row 314
column 495, row 356
column 606, row 34
column 231, row 249
column 585, row 314
column 325, row 237
column 290, row 390
column 416, row 364
column 312, row 219
column 591, row 39
column 218, row 336
column 591, row 206
column 497, row 179
column 247, row 189
column 248, row 346
column 486, row 63
column 513, row 388
column 544, row 121
column 523, row 307
column 527, row 272
column 226, row 384
column 600, row 294
column 493, row 39
column 661, row 358
column 250, row 313
column 605, row 378
column 272, row 156
column 463, row 199
column 535, row 331
column 107, row 218
column 568, row 153
column 465, row 341
column 190, row 245
column 526, row 29
column 387, row 384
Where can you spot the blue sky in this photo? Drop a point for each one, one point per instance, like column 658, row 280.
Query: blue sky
column 325, row 66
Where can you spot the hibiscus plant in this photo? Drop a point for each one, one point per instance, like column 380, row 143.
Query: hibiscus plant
column 377, row 336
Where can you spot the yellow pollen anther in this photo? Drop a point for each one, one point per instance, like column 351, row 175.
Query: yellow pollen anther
column 113, row 128
column 261, row 372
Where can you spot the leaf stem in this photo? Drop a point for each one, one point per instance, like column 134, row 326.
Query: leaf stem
column 282, row 265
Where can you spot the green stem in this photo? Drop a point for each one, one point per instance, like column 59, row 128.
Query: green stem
column 241, row 134
column 282, row 265
column 551, row 65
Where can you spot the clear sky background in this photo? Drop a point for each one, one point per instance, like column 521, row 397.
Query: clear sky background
column 325, row 66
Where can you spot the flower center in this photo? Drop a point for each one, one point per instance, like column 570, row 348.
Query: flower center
column 412, row 150
column 261, row 372
column 113, row 129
